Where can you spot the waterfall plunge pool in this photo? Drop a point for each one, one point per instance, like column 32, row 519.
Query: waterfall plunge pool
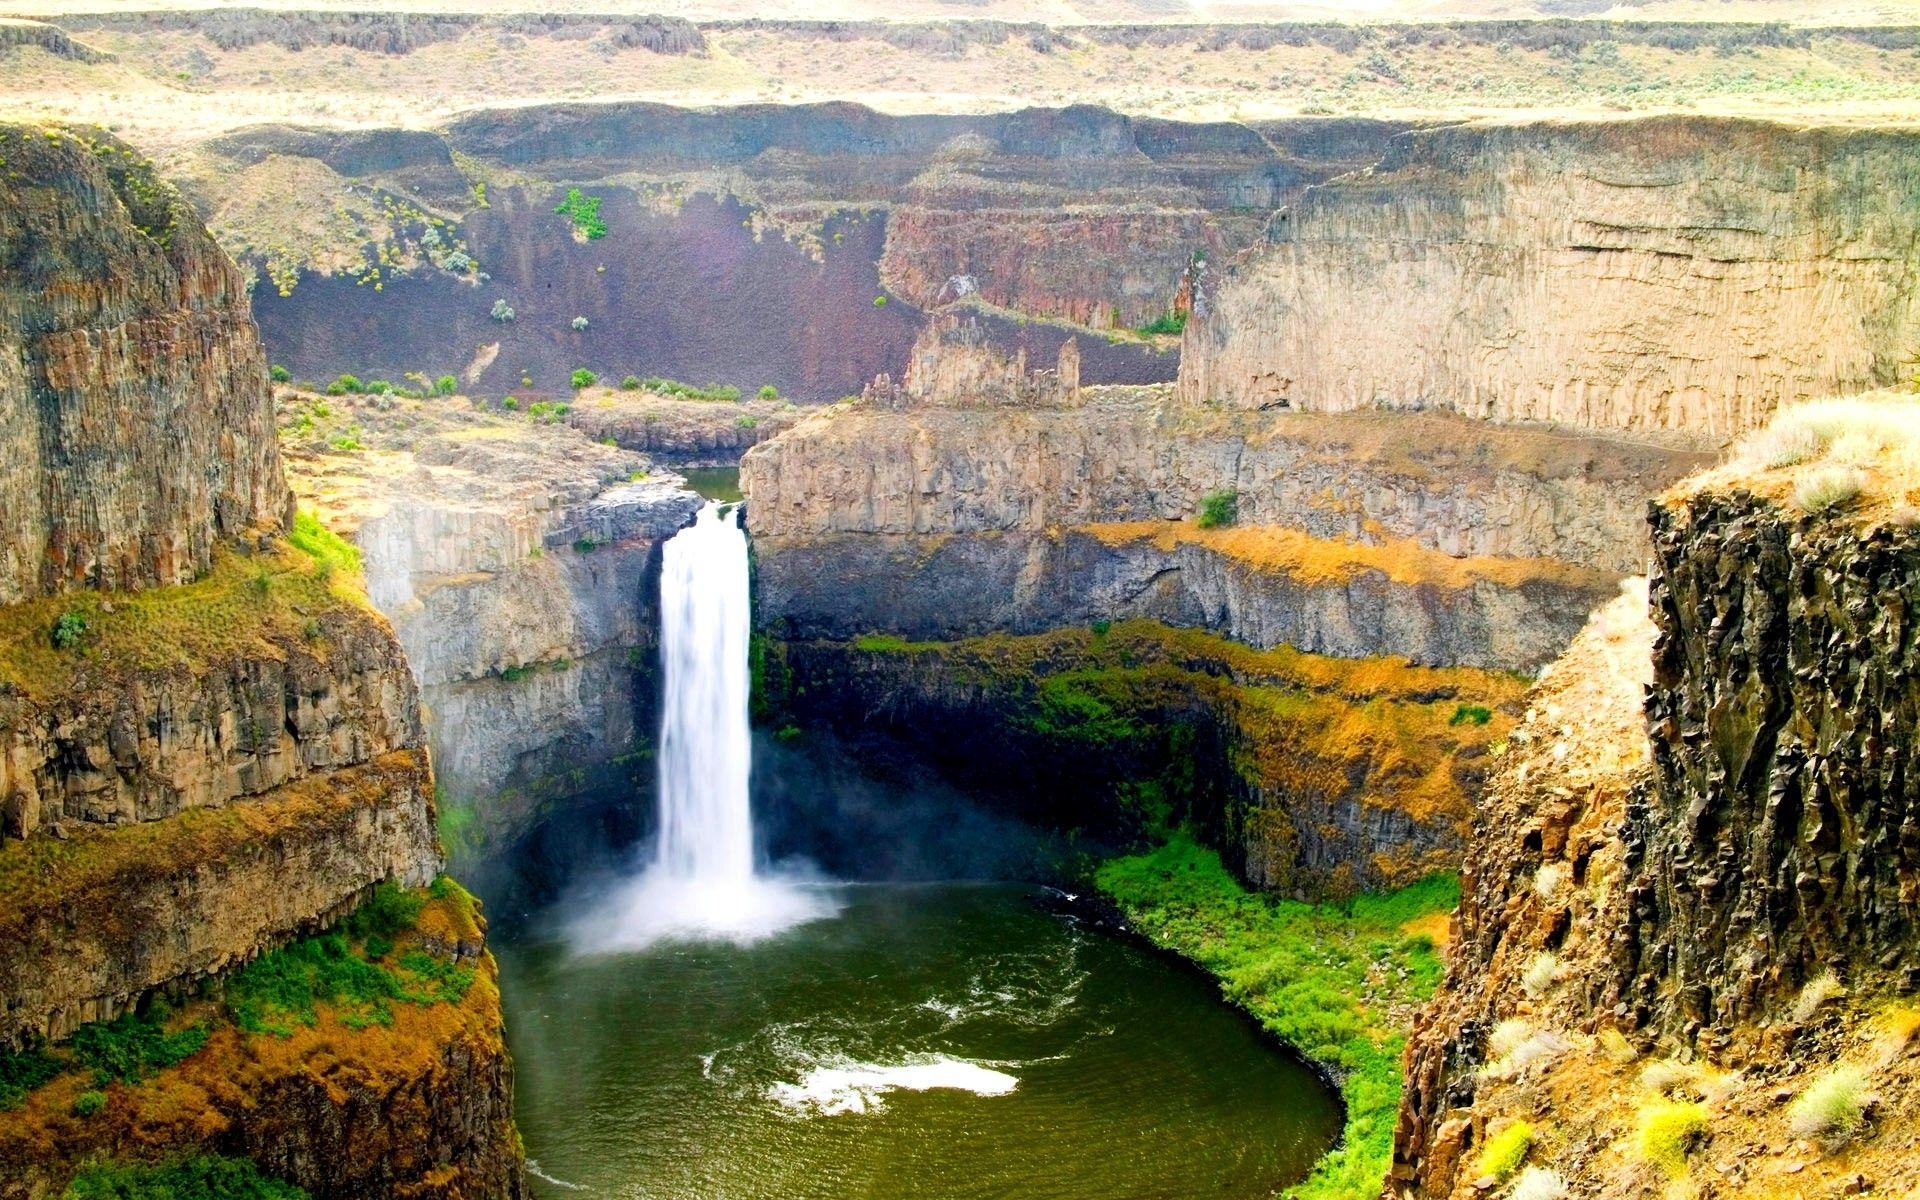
column 928, row 1042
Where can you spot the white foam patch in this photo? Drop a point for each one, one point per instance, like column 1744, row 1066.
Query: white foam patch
column 838, row 1089
column 658, row 907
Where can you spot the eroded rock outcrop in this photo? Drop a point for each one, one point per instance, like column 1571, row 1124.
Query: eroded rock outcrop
column 131, row 377
column 1677, row 273
column 1701, row 847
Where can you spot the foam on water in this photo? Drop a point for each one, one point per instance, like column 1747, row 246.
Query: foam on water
column 838, row 1089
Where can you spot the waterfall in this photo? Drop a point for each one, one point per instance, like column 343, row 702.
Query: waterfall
column 701, row 882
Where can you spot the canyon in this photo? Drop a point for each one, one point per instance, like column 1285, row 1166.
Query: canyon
column 1343, row 501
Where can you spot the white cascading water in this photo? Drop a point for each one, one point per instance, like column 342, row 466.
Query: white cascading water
column 701, row 883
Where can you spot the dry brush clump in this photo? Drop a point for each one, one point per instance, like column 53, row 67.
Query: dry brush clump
column 1832, row 1108
column 1827, row 455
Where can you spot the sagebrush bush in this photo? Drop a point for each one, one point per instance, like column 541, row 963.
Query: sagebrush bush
column 1538, row 976
column 1548, row 880
column 1508, row 1036
column 1828, row 489
column 1833, row 1107
column 1815, row 994
column 1538, row 1183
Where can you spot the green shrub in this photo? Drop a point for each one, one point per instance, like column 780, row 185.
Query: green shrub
column 22, row 1071
column 501, row 311
column 131, row 1048
column 1832, row 1108
column 1219, row 508
column 343, row 384
column 1506, row 1150
column 389, row 910
column 748, row 423
column 787, row 733
column 879, row 301
column 1471, row 714
column 446, row 385
column 584, row 213
column 583, row 378
column 630, row 384
column 510, row 403
column 279, row 374
column 768, row 392
column 579, row 324
column 67, row 630
column 586, row 545
column 687, row 391
column 197, row 1177
column 1163, row 325
column 88, row 1103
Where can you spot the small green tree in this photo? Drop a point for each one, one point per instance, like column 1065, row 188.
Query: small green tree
column 769, row 392
column 583, row 378
column 279, row 374
column 1219, row 508
column 446, row 385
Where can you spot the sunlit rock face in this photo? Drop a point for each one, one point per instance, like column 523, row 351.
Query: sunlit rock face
column 133, row 417
column 1678, row 273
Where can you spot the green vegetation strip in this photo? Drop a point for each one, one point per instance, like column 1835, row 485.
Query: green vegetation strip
column 198, row 1177
column 1338, row 982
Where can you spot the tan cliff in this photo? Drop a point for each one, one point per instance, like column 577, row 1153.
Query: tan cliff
column 1677, row 273
column 211, row 746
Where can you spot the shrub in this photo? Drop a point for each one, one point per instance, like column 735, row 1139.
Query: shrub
column 583, row 378
column 88, row 1103
column 1538, row 1183
column 879, row 301
column 279, row 374
column 502, row 311
column 1832, row 1108
column 1471, row 714
column 1165, row 324
column 1829, row 489
column 768, row 392
column 584, row 214
column 1538, row 976
column 579, row 324
column 1508, row 1036
column 510, row 403
column 1665, row 1130
column 586, row 545
column 133, row 1047
column 343, row 384
column 68, row 629
column 1219, row 508
column 1815, row 995
column 1616, row 1046
column 1506, row 1150
column 199, row 1177
column 1549, row 879
column 446, row 385
column 747, row 423
column 630, row 384
column 21, row 1071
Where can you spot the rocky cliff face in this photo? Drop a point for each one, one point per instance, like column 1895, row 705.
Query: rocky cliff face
column 1701, row 848
column 131, row 377
column 1676, row 273
column 935, row 520
column 518, row 561
column 221, row 754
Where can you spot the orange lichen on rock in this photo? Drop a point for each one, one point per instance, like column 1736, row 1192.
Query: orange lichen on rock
column 1313, row 560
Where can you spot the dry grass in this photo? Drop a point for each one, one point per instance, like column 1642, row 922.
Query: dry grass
column 1860, row 455
column 1833, row 1107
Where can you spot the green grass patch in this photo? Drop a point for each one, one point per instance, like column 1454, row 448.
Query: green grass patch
column 1340, row 982
column 329, row 551
column 21, row 1071
column 348, row 970
column 198, row 1177
column 1169, row 324
column 133, row 1047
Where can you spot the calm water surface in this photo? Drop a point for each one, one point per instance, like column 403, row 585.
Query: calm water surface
column 931, row 1042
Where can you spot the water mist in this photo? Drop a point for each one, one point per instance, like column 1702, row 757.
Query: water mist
column 701, row 883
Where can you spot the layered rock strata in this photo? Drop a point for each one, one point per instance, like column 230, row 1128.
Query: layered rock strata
column 1312, row 775
column 1678, row 273
column 131, row 378
column 943, row 518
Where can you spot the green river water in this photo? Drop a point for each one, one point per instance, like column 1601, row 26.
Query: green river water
column 930, row 1042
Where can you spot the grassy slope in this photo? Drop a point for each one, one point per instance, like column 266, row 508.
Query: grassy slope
column 1339, row 983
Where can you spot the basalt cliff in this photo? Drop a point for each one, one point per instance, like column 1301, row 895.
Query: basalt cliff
column 214, row 754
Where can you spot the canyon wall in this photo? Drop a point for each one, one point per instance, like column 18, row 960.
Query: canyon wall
column 1703, row 846
column 125, row 333
column 1438, row 539
column 212, row 750
column 518, row 561
column 1677, row 273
